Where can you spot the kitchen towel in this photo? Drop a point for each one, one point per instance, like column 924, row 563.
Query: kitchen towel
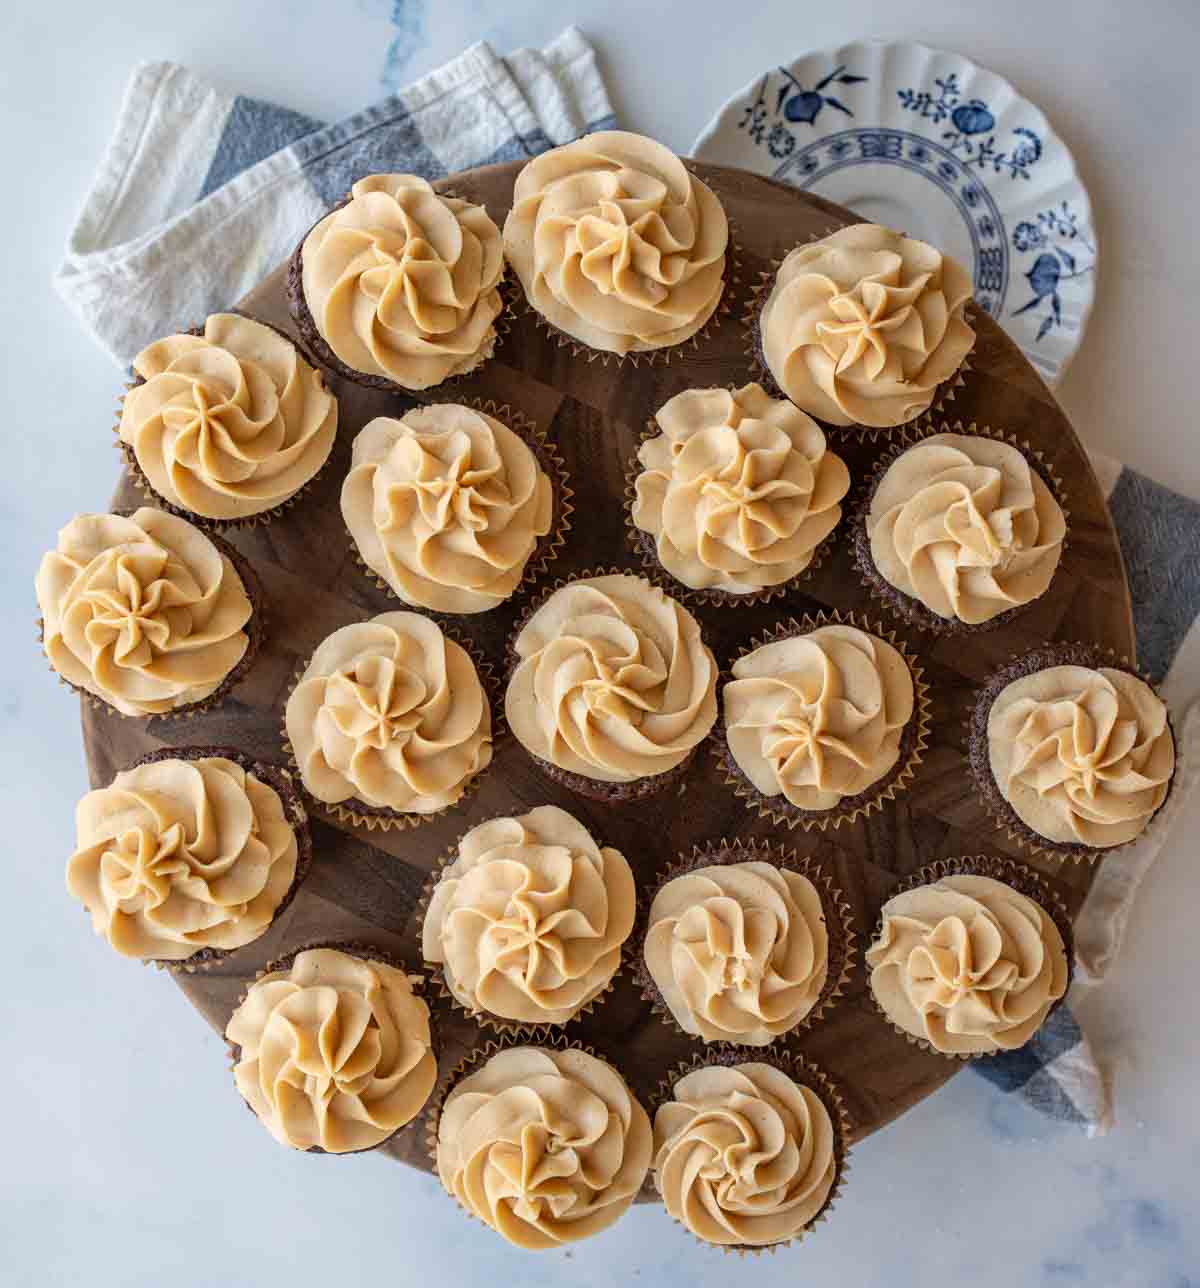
column 201, row 194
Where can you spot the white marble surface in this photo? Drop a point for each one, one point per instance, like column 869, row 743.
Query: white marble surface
column 125, row 1157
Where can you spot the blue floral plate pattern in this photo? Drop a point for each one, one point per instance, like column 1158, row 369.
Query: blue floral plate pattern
column 928, row 142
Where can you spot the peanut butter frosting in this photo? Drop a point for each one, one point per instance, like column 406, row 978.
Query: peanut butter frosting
column 862, row 326
column 390, row 712
column 738, row 490
column 176, row 856
column 967, row 964
column 545, row 1146
column 744, row 1155
column 1083, row 756
column 613, row 680
column 739, row 952
column 336, row 1052
column 446, row 505
column 818, row 717
column 144, row 612
column 230, row 423
column 528, row 921
column 964, row 524
column 402, row 282
column 616, row 243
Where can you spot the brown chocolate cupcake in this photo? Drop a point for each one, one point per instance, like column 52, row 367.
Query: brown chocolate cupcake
column 1046, row 514
column 422, row 1075
column 821, row 989
column 1005, row 816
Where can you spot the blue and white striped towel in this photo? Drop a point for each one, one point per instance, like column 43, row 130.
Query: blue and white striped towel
column 201, row 194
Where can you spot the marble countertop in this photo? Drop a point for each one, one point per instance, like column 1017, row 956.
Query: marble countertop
column 127, row 1159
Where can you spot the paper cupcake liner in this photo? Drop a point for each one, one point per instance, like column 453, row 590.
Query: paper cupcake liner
column 358, row 814
column 548, row 548
column 1022, row 879
column 902, row 605
column 914, row 737
column 593, row 788
column 839, row 924
column 801, row 1070
column 943, row 395
column 643, row 546
column 256, row 630
column 364, row 952
column 650, row 357
column 1001, row 813
column 205, row 522
column 325, row 356
column 522, row 1029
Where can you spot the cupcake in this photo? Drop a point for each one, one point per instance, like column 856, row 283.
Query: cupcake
column 390, row 722
column 750, row 1156
column 619, row 248
column 613, row 687
column 822, row 721
column 189, row 855
column 332, row 1049
column 527, row 920
column 398, row 287
column 736, row 495
column 1073, row 756
column 226, row 424
column 965, row 964
column 147, row 614
column 450, row 508
column 744, row 944
column 545, row 1144
column 960, row 532
column 865, row 326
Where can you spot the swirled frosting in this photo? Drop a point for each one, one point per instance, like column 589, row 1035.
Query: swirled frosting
column 738, row 490
column 402, row 282
column 613, row 680
column 391, row 713
column 180, row 855
column 230, row 423
column 528, row 921
column 336, row 1052
column 547, row 1147
column 738, row 951
column 815, row 718
column 862, row 326
column 744, row 1155
column 446, row 505
column 968, row 964
column 1083, row 756
column 144, row 612
column 616, row 244
column 966, row 526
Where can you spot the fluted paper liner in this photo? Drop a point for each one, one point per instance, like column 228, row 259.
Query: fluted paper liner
column 782, row 812
column 548, row 548
column 364, row 952
column 839, row 926
column 358, row 814
column 943, row 394
column 896, row 602
column 1024, row 881
column 801, row 1070
column 525, row 1030
column 255, row 628
column 1001, row 813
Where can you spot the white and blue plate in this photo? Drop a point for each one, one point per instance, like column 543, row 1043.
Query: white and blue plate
column 927, row 142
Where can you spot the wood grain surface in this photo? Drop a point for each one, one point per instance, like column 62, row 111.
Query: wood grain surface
column 364, row 885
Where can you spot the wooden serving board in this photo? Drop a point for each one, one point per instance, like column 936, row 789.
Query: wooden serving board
column 364, row 885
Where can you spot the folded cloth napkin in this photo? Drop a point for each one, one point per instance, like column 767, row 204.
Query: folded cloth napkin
column 201, row 194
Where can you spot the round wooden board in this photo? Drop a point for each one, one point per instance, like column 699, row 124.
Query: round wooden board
column 364, row 885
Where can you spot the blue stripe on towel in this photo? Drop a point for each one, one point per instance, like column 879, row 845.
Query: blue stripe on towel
column 1011, row 1070
column 253, row 130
